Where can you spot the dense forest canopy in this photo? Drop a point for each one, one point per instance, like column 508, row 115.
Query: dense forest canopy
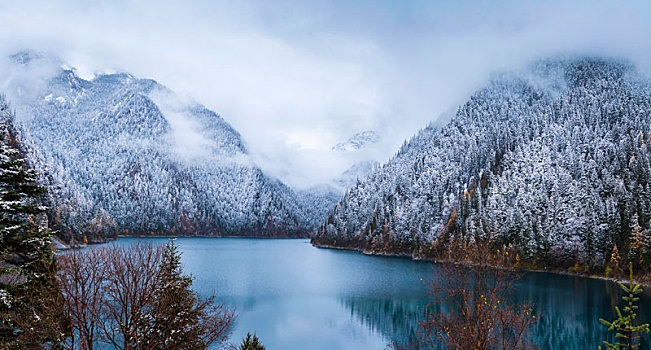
column 123, row 155
column 551, row 161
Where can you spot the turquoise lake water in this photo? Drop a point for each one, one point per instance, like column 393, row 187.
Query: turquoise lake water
column 296, row 296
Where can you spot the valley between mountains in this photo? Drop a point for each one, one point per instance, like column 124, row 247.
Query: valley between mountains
column 549, row 162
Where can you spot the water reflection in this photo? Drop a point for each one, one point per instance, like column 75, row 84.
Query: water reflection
column 296, row 296
column 395, row 319
column 570, row 308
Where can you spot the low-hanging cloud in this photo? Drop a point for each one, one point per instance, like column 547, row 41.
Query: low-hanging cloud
column 296, row 77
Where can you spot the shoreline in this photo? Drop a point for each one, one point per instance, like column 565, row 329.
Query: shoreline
column 61, row 246
column 57, row 244
column 208, row 236
column 643, row 283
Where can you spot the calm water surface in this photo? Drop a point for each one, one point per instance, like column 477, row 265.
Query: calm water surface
column 295, row 296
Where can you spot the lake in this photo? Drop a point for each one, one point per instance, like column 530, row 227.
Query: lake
column 296, row 296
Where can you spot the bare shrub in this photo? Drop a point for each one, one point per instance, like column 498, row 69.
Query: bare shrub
column 471, row 305
column 115, row 295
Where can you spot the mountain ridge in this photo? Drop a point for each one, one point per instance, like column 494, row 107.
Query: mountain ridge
column 127, row 156
column 547, row 161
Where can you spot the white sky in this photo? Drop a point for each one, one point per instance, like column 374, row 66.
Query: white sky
column 296, row 77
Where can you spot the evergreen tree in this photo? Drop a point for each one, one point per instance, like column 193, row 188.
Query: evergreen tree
column 558, row 154
column 627, row 331
column 251, row 342
column 26, row 277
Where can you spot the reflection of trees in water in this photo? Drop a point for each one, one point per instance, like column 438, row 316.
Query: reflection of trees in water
column 396, row 319
column 567, row 329
column 570, row 307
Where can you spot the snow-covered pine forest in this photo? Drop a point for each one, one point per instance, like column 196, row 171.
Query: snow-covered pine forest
column 123, row 155
column 551, row 161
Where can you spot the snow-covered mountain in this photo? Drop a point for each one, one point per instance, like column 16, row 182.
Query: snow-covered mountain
column 356, row 172
column 127, row 156
column 551, row 160
column 357, row 141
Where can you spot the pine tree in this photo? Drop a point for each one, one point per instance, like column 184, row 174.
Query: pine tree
column 624, row 326
column 26, row 277
column 251, row 342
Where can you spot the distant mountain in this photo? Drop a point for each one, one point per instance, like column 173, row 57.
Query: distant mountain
column 551, row 162
column 124, row 155
column 317, row 202
column 24, row 57
column 357, row 141
column 356, row 172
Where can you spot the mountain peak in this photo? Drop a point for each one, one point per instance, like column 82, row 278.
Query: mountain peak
column 25, row 56
column 357, row 141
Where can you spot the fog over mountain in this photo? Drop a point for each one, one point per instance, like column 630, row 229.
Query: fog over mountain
column 297, row 77
column 123, row 155
column 550, row 162
column 359, row 140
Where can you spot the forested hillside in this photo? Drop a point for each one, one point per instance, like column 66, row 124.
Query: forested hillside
column 551, row 161
column 127, row 156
